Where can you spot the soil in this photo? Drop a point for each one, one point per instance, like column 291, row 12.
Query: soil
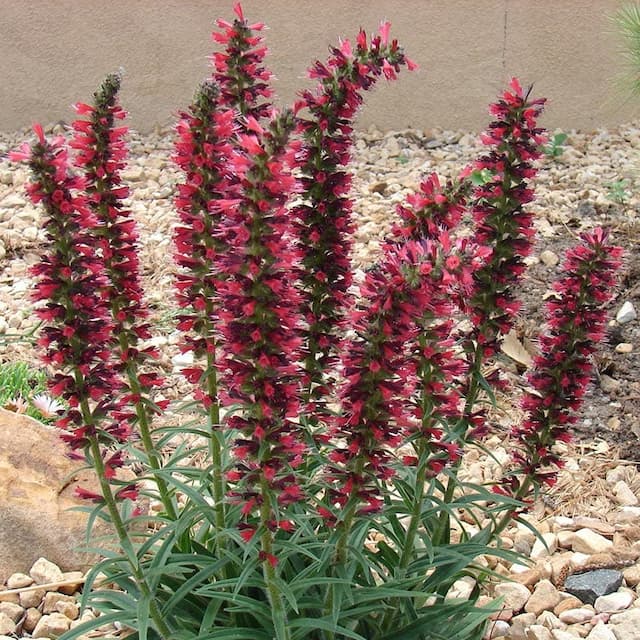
column 611, row 411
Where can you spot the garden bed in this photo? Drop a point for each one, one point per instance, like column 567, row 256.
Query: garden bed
column 589, row 183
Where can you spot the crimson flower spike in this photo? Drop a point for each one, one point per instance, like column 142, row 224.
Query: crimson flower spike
column 324, row 225
column 77, row 328
column 239, row 69
column 576, row 322
column 503, row 223
column 101, row 153
column 379, row 375
column 201, row 151
column 260, row 323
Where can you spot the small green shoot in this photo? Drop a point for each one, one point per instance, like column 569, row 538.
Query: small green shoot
column 617, row 191
column 555, row 148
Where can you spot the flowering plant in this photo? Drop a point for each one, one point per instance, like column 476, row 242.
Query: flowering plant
column 334, row 417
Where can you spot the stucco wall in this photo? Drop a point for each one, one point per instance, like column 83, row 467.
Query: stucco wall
column 55, row 52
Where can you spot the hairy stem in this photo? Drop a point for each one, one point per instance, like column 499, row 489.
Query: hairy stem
column 119, row 525
column 278, row 613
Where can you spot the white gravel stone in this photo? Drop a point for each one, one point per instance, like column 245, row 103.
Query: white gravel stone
column 538, row 632
column 19, row 580
column 54, row 625
column 544, row 598
column 627, row 514
column 7, row 625
column 31, row 619
column 497, row 629
column 549, row 258
column 626, row 313
column 182, row 359
column 13, row 200
column 43, row 571
column 560, row 634
column 515, row 595
column 52, row 599
column 576, row 616
column 462, row 588
column 11, row 609
column 624, row 494
column 545, row 547
column 624, row 347
column 550, row 620
column 33, row 598
column 588, row 541
column 616, row 474
column 601, row 632
column 614, row 601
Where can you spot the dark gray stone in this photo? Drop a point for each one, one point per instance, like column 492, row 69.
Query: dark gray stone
column 589, row 585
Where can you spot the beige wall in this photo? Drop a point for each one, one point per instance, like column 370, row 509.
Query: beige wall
column 55, row 52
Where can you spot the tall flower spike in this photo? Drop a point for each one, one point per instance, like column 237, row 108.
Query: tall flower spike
column 502, row 222
column 379, row 376
column 323, row 218
column 70, row 281
column 239, row 69
column 576, row 321
column 259, row 314
column 101, row 153
column 202, row 150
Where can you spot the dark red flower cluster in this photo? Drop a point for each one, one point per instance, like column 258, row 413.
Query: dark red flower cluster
column 260, row 321
column 70, row 281
column 201, row 151
column 239, row 70
column 576, row 321
column 101, row 154
column 433, row 209
column 502, row 221
column 324, row 216
column 381, row 368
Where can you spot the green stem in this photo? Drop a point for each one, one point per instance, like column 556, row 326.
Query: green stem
column 506, row 519
column 278, row 613
column 414, row 523
column 215, row 446
column 342, row 545
column 443, row 527
column 409, row 540
column 119, row 525
column 153, row 456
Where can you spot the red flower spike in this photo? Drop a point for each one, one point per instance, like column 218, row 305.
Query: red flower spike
column 502, row 223
column 239, row 70
column 324, row 226
column 70, row 278
column 381, row 370
column 101, row 153
column 576, row 319
column 259, row 321
column 205, row 199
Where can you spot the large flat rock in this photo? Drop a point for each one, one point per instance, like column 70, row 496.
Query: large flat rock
column 37, row 481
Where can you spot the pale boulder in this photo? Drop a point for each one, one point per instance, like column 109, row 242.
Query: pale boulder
column 35, row 498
